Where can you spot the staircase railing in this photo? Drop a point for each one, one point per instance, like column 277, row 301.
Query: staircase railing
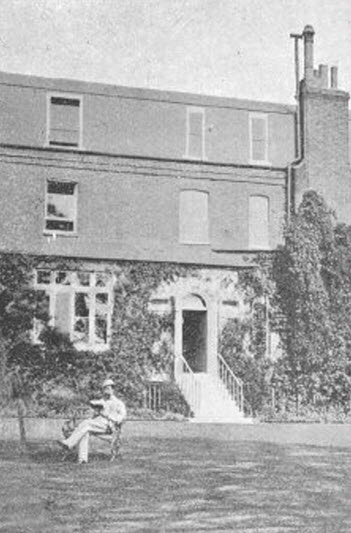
column 188, row 384
column 232, row 383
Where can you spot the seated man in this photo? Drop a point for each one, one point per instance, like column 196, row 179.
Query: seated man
column 110, row 412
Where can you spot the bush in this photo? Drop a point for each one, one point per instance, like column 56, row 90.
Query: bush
column 308, row 414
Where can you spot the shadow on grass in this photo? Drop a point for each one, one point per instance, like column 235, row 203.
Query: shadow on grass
column 46, row 453
column 178, row 485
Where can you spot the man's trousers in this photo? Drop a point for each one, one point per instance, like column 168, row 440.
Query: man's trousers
column 80, row 436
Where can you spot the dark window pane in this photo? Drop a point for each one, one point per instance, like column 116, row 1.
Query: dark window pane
column 62, row 278
column 58, row 100
column 102, row 298
column 81, row 330
column 59, row 225
column 81, row 304
column 42, row 301
column 43, row 276
column 101, row 330
column 61, row 187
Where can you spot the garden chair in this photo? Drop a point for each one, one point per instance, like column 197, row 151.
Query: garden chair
column 112, row 436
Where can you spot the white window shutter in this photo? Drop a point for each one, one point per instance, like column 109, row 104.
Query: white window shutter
column 193, row 217
column 63, row 312
column 259, row 222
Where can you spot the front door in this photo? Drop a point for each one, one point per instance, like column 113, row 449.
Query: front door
column 195, row 339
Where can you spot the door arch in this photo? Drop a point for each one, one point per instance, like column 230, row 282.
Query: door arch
column 194, row 332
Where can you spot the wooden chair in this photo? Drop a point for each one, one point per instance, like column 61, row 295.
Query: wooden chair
column 112, row 436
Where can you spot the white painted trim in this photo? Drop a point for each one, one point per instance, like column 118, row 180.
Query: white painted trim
column 201, row 110
column 72, row 96
column 265, row 161
column 73, row 288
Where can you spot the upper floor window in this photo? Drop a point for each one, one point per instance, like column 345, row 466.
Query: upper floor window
column 65, row 121
column 258, row 222
column 258, row 138
column 61, row 207
column 195, row 138
column 193, row 217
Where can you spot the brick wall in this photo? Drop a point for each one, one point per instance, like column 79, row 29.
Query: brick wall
column 129, row 208
column 326, row 148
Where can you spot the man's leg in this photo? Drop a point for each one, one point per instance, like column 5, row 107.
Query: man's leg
column 83, row 449
column 94, row 425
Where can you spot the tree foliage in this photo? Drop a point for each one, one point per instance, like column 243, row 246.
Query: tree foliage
column 313, row 291
column 19, row 307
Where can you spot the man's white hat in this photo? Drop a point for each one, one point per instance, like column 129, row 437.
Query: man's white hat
column 107, row 383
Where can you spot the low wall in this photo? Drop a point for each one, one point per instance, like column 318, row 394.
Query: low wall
column 36, row 428
column 333, row 435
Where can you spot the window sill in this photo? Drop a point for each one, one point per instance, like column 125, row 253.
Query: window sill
column 54, row 234
column 194, row 158
column 63, row 147
column 191, row 243
column 80, row 346
column 260, row 163
column 260, row 248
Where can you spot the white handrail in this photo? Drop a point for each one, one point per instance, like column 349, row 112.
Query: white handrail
column 233, row 384
column 190, row 387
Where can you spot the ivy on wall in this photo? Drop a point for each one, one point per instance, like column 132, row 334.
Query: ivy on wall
column 63, row 378
column 313, row 289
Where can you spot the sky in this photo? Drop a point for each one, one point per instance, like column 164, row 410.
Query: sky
column 237, row 48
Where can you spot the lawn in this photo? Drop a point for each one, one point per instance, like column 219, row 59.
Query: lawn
column 187, row 480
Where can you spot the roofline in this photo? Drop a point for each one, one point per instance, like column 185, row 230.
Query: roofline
column 140, row 93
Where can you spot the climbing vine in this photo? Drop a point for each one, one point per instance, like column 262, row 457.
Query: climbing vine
column 313, row 290
column 141, row 345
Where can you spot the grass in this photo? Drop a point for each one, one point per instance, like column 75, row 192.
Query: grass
column 191, row 482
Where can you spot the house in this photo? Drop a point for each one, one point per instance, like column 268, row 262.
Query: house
column 97, row 176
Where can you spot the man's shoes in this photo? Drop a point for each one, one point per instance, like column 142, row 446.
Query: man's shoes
column 82, row 462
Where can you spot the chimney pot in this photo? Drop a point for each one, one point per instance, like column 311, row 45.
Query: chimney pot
column 334, row 77
column 308, row 34
column 323, row 76
column 308, row 31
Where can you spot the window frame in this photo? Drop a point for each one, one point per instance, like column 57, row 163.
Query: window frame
column 190, row 242
column 256, row 247
column 265, row 161
column 52, row 288
column 189, row 111
column 53, row 232
column 71, row 96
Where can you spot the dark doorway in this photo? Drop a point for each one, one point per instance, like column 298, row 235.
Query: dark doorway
column 195, row 340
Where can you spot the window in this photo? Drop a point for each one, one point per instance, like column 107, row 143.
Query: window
column 195, row 142
column 65, row 121
column 193, row 217
column 61, row 207
column 258, row 138
column 80, row 304
column 258, row 222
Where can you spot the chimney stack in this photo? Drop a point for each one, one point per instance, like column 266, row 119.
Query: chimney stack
column 323, row 114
